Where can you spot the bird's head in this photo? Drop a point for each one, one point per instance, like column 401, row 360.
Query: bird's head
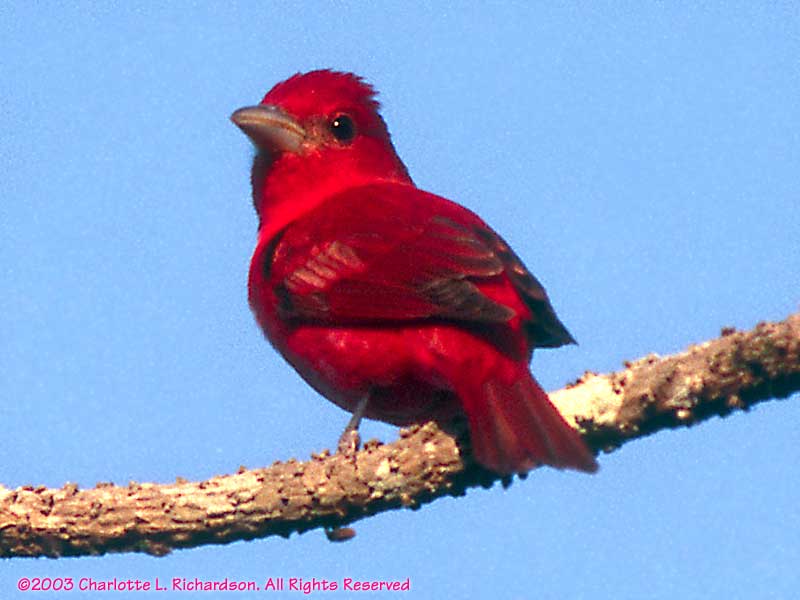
column 315, row 134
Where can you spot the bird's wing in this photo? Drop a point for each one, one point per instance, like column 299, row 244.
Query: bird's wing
column 395, row 253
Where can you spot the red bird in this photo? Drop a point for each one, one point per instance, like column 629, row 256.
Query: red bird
column 391, row 302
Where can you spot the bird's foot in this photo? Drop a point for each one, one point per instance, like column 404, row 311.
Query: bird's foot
column 350, row 441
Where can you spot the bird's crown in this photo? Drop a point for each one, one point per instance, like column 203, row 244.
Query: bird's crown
column 322, row 92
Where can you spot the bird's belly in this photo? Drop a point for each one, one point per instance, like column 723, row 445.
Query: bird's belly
column 405, row 370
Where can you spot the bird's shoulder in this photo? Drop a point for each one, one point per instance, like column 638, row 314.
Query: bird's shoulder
column 376, row 218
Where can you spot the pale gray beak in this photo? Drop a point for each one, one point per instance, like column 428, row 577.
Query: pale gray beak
column 270, row 128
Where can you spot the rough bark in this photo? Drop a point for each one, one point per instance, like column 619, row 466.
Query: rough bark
column 714, row 378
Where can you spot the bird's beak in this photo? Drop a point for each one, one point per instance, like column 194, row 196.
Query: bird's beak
column 270, row 128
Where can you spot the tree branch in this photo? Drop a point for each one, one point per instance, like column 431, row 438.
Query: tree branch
column 714, row 378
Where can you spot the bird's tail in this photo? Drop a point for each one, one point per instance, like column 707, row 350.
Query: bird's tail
column 514, row 427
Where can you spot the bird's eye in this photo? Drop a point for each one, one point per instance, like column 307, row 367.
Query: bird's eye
column 343, row 128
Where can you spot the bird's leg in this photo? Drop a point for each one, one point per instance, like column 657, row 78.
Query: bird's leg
column 349, row 441
column 348, row 445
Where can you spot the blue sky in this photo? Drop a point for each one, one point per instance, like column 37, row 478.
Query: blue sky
column 642, row 160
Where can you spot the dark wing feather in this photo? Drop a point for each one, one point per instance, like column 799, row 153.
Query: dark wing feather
column 544, row 327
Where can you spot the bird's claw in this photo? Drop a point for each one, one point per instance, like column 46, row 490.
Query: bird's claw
column 349, row 442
